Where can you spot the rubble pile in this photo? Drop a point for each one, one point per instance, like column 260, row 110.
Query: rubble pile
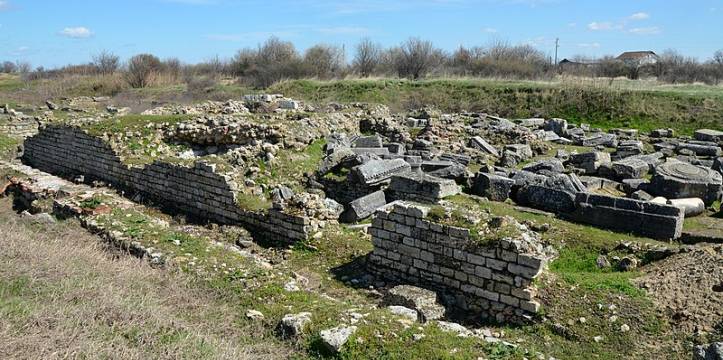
column 514, row 161
column 221, row 130
column 16, row 124
column 230, row 107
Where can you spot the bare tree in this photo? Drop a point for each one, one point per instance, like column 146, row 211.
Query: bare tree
column 462, row 59
column 367, row 58
column 275, row 60
column 275, row 50
column 718, row 58
column 673, row 67
column 142, row 70
column 243, row 62
column 416, row 58
column 717, row 63
column 388, row 62
column 23, row 67
column 609, row 66
column 324, row 61
column 106, row 62
column 172, row 68
column 215, row 66
column 9, row 67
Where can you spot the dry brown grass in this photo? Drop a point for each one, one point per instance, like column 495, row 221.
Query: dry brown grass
column 63, row 295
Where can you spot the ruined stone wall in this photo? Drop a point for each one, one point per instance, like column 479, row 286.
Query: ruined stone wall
column 19, row 128
column 197, row 190
column 641, row 218
column 626, row 215
column 492, row 281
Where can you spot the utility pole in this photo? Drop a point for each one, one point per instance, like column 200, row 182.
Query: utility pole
column 557, row 46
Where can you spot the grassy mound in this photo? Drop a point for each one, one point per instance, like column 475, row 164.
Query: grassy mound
column 682, row 108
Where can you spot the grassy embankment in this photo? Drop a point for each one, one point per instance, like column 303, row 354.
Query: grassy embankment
column 605, row 103
column 683, row 108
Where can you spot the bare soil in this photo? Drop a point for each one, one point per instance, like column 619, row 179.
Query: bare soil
column 688, row 287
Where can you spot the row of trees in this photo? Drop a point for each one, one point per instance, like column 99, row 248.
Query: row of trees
column 276, row 60
column 414, row 58
column 671, row 67
column 18, row 67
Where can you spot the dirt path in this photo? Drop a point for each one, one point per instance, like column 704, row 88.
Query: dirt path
column 62, row 295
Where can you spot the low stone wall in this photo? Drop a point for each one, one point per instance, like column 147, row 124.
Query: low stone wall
column 197, row 190
column 19, row 128
column 627, row 215
column 493, row 282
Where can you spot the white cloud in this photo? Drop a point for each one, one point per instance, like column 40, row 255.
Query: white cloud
column 572, row 24
column 539, row 41
column 589, row 45
column 652, row 30
column 19, row 51
column 4, row 5
column 79, row 32
column 639, row 16
column 601, row 26
column 490, row 30
column 622, row 25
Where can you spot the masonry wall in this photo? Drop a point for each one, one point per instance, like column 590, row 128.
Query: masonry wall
column 197, row 190
column 627, row 215
column 19, row 128
column 494, row 282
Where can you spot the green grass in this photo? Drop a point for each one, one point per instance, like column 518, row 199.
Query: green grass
column 479, row 233
column 252, row 202
column 10, row 83
column 579, row 247
column 11, row 294
column 684, row 109
column 8, row 146
column 380, row 335
column 290, row 165
column 577, row 266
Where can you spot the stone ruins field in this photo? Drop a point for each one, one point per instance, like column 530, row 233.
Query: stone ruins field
column 375, row 219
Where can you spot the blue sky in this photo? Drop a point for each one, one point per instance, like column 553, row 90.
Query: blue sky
column 57, row 32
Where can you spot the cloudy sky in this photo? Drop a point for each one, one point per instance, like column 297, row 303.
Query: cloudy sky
column 53, row 32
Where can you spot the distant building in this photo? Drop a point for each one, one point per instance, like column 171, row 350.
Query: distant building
column 566, row 64
column 577, row 63
column 638, row 58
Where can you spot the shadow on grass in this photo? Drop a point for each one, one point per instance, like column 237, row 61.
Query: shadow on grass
column 452, row 302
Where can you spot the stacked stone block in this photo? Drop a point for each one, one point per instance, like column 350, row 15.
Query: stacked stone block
column 627, row 215
column 19, row 128
column 493, row 281
column 197, row 190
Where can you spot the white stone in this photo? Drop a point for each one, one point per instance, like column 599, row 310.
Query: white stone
column 254, row 315
column 336, row 337
column 691, row 206
column 659, row 200
column 406, row 312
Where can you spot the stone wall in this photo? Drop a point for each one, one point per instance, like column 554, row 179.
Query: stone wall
column 627, row 215
column 197, row 190
column 492, row 281
column 638, row 217
column 19, row 128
